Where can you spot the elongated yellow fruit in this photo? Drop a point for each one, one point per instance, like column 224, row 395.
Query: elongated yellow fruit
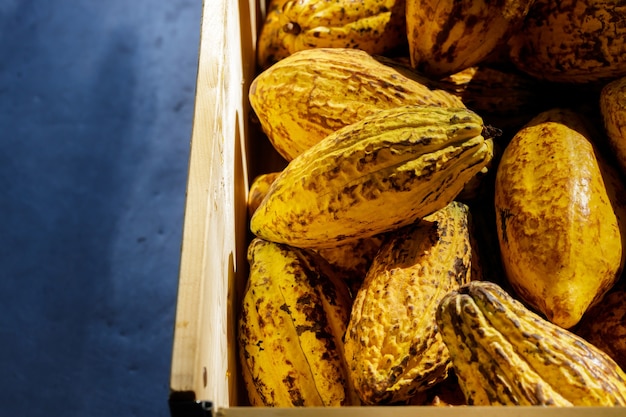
column 373, row 176
column 311, row 93
column 449, row 36
column 392, row 345
column 374, row 26
column 505, row 354
column 558, row 231
column 293, row 317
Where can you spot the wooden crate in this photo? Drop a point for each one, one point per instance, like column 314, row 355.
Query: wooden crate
column 227, row 150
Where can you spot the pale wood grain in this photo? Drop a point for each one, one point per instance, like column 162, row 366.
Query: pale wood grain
column 212, row 253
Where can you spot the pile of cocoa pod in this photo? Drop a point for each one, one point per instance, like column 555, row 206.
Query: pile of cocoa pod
column 449, row 224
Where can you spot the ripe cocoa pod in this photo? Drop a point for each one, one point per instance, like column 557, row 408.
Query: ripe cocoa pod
column 376, row 27
column 373, row 176
column 573, row 41
column 312, row 93
column 446, row 37
column 293, row 317
column 505, row 354
column 559, row 235
column 392, row 345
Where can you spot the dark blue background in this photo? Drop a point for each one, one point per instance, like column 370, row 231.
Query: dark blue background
column 96, row 104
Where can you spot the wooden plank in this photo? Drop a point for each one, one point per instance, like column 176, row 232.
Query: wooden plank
column 211, row 258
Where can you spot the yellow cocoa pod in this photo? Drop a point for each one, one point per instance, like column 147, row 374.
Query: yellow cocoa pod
column 505, row 354
column 392, row 345
column 446, row 37
column 293, row 317
column 375, row 175
column 604, row 325
column 573, row 41
column 310, row 94
column 373, row 26
column 613, row 110
column 559, row 234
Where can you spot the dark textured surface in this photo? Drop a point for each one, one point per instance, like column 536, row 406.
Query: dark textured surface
column 96, row 102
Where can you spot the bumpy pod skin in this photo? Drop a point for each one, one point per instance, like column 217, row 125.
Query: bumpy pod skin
column 446, row 37
column 573, row 41
column 505, row 354
column 310, row 94
column 558, row 232
column 374, row 26
column 392, row 345
column 373, row 176
column 293, row 317
column 613, row 110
